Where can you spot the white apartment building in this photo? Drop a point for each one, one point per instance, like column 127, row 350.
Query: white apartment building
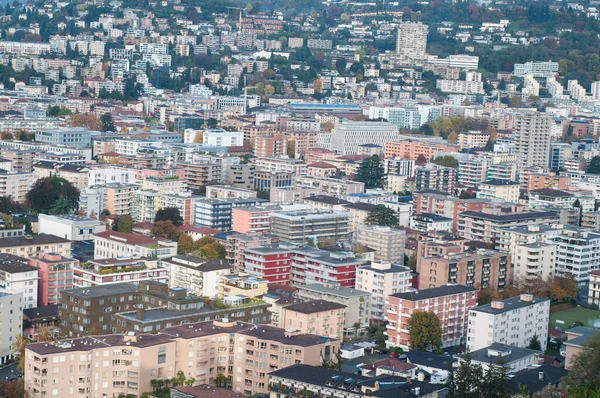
column 411, row 40
column 536, row 69
column 399, row 166
column 115, row 270
column 16, row 185
column 70, row 226
column 284, row 163
column 91, row 201
column 11, row 322
column 505, row 190
column 17, row 275
column 347, row 137
column 512, row 321
column 113, row 244
column 220, row 137
column 534, row 261
column 382, row 280
column 197, row 275
column 110, row 175
column 532, row 139
column 578, row 253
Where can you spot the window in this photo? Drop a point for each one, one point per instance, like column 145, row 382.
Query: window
column 162, row 355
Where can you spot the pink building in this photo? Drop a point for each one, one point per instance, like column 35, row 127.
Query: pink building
column 317, row 154
column 237, row 244
column 251, row 219
column 321, row 169
column 56, row 274
column 321, row 317
column 450, row 303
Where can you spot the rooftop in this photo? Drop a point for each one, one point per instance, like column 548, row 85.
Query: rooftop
column 330, row 200
column 341, row 291
column 509, row 304
column 310, row 307
column 508, row 217
column 434, row 292
column 509, row 354
column 498, row 182
column 34, row 240
column 102, row 290
column 550, row 192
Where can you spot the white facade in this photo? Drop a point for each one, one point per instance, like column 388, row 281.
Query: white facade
column 507, row 191
column 91, row 201
column 70, row 227
column 532, row 139
column 382, row 280
column 346, row 137
column 17, row 275
column 412, row 40
column 578, row 253
column 218, row 137
column 197, row 275
column 112, row 244
column 110, row 175
column 11, row 322
column 534, row 260
column 513, row 321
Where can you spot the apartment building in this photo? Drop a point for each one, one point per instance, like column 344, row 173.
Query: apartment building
column 198, row 175
column 325, row 318
column 356, row 302
column 532, row 136
column 535, row 261
column 553, row 199
column 241, row 175
column 236, row 245
column 485, row 225
column 435, row 177
column 55, row 275
column 267, row 180
column 509, row 238
column 287, row 263
column 382, row 280
column 472, row 139
column 547, row 180
column 411, row 40
column 450, row 303
column 11, row 324
column 213, row 213
column 282, row 163
column 78, row 137
column 399, row 166
column 118, row 270
column 17, row 275
column 185, row 202
column 444, row 204
column 129, row 362
column 301, row 225
column 331, row 186
column 427, row 222
column 594, row 288
column 387, row 242
column 119, row 198
column 30, row 246
column 16, row 185
column 113, row 244
column 251, row 220
column 505, row 190
column 220, row 137
column 346, row 137
column 412, row 149
column 438, row 265
column 513, row 321
column 70, row 226
column 199, row 276
column 224, row 192
column 577, row 253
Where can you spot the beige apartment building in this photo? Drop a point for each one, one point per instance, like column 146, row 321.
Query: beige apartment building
column 325, row 318
column 109, row 365
column 120, row 198
column 35, row 245
column 387, row 242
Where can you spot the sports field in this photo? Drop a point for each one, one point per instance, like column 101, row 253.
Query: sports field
column 564, row 320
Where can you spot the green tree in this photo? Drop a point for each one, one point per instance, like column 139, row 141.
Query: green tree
column 212, row 122
column 424, row 331
column 446, row 161
column 534, row 343
column 169, row 214
column 165, row 229
column 60, row 206
column 594, row 166
column 466, row 380
column 46, row 191
column 125, row 223
column 107, row 122
column 383, row 216
column 371, row 172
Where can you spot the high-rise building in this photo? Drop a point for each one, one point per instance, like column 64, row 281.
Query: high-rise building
column 412, row 40
column 532, row 139
column 348, row 136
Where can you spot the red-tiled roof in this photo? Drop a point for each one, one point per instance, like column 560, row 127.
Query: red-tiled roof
column 131, row 239
column 322, row 165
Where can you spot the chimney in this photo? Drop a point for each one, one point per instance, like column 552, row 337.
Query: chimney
column 497, row 305
column 526, row 297
column 140, row 312
column 541, row 375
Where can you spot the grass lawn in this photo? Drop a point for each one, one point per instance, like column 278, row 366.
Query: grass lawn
column 564, row 320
